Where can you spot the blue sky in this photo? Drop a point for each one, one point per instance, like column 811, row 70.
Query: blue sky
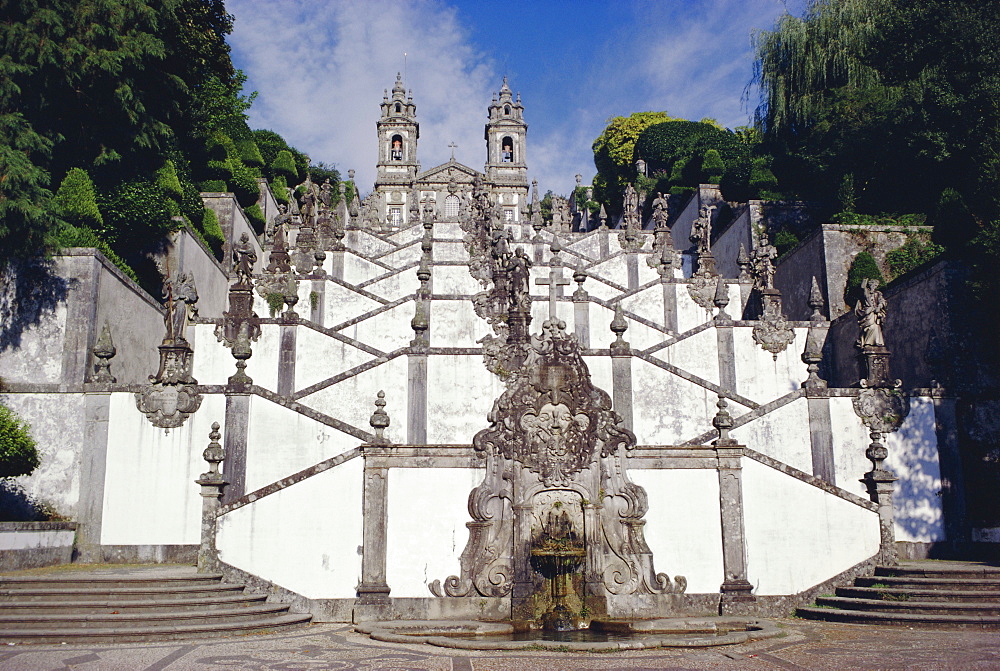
column 320, row 67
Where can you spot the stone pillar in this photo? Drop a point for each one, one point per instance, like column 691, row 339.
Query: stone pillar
column 737, row 597
column 416, row 399
column 669, row 303
column 93, row 466
column 632, row 267
column 373, row 590
column 237, row 428
column 286, row 359
column 212, row 484
column 724, row 338
column 821, row 435
column 621, row 369
column 602, row 241
column 880, row 484
column 337, row 264
column 317, row 308
column 581, row 319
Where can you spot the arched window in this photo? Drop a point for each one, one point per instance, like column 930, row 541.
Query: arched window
column 507, row 150
column 506, row 110
column 399, row 108
column 396, row 148
column 451, row 204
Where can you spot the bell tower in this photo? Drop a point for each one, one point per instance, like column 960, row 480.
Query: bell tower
column 397, row 165
column 506, row 165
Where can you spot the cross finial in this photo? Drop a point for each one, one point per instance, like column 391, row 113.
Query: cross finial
column 453, row 146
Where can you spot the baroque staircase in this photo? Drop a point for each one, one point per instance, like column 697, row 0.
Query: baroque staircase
column 135, row 603
column 940, row 594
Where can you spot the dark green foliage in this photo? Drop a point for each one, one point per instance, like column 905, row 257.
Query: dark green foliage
column 275, row 302
column 914, row 253
column 712, row 166
column 580, row 197
column 321, row 171
column 545, row 205
column 249, row 153
column 166, row 179
column 763, row 183
column 785, row 240
column 954, row 225
column 280, row 189
column 284, row 165
column 862, row 267
column 134, row 212
column 244, row 185
column 26, row 208
column 614, row 155
column 69, row 235
column 213, row 186
column 213, row 232
column 18, row 452
column 76, row 200
column 876, row 220
column 256, row 218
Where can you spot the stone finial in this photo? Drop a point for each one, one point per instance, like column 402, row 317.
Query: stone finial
column 104, row 350
column 603, row 216
column 419, row 324
column 579, row 179
column 579, row 276
column 214, row 454
column 816, row 302
column 812, row 355
column 350, row 174
column 743, row 261
column 723, row 422
column 380, row 419
column 618, row 326
column 556, row 249
column 721, row 299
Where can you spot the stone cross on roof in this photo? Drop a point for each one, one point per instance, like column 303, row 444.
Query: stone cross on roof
column 453, row 147
column 555, row 282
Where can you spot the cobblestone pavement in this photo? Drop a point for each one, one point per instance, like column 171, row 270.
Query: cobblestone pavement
column 803, row 645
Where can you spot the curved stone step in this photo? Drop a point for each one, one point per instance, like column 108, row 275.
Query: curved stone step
column 155, row 633
column 940, row 569
column 50, row 593
column 907, row 619
column 964, row 584
column 177, row 604
column 138, row 620
column 890, row 593
column 909, row 606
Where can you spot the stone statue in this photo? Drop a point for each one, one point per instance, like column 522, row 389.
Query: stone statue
column 763, row 263
column 519, row 277
column 326, row 193
column 870, row 311
column 661, row 210
column 631, row 200
column 244, row 259
column 181, row 296
column 701, row 229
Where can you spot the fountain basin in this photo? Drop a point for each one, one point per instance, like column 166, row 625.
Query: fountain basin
column 602, row 634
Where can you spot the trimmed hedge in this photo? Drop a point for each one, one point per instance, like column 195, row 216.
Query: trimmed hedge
column 76, row 200
column 18, row 451
column 862, row 267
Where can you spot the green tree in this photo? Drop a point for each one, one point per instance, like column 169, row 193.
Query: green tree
column 18, row 451
column 862, row 267
column 614, row 154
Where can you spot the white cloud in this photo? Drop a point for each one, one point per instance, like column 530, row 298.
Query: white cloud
column 321, row 68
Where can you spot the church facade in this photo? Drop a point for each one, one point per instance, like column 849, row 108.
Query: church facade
column 403, row 191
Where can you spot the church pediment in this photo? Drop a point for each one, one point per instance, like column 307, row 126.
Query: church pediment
column 447, row 172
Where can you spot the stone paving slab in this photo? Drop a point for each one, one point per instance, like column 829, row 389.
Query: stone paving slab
column 802, row 645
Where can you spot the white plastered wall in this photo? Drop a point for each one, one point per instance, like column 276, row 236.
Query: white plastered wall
column 281, row 442
column 150, row 495
column 305, row 538
column 421, row 546
column 798, row 535
column 460, row 395
column 697, row 354
column 762, row 377
column 781, row 434
column 913, row 457
column 683, row 526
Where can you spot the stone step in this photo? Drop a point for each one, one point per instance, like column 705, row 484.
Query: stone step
column 138, row 620
column 991, row 622
column 53, row 593
column 164, row 604
column 909, row 606
column 891, row 593
column 108, row 581
column 961, row 584
column 941, row 569
column 154, row 633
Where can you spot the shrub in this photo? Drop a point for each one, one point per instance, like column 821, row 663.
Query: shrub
column 953, row 222
column 244, row 185
column 862, row 267
column 712, row 166
column 167, row 180
column 275, row 302
column 76, row 200
column 249, row 153
column 914, row 253
column 284, row 165
column 213, row 186
column 219, row 149
column 213, row 232
column 280, row 189
column 18, row 451
column 256, row 218
column 69, row 235
column 134, row 212
column 763, row 183
column 784, row 241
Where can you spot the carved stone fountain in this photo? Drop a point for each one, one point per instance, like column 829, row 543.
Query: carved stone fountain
column 557, row 523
